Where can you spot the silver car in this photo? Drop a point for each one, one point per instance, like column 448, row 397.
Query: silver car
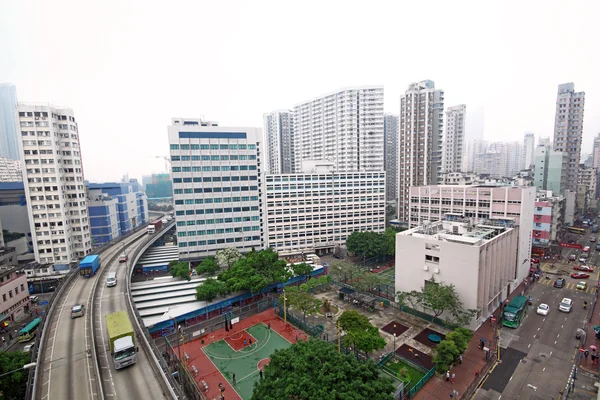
column 77, row 311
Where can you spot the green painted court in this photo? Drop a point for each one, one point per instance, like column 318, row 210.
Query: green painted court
column 387, row 276
column 244, row 363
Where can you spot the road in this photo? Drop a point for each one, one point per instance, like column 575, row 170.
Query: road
column 137, row 381
column 538, row 357
column 68, row 371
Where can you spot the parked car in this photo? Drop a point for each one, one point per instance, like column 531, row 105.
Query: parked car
column 559, row 283
column 582, row 285
column 34, row 299
column 572, row 257
column 535, row 260
column 583, row 268
column 543, row 309
column 565, row 305
column 29, row 346
column 78, row 310
column 593, row 239
column 579, row 275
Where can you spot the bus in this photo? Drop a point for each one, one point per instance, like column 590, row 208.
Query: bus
column 514, row 312
column 579, row 231
column 28, row 333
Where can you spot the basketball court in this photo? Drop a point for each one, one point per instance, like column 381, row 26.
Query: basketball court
column 243, row 350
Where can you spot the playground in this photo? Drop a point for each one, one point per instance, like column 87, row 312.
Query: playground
column 242, row 351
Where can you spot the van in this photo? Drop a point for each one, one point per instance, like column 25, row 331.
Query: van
column 111, row 279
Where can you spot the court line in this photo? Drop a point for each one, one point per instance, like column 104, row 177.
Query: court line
column 220, row 373
column 241, row 337
column 241, row 354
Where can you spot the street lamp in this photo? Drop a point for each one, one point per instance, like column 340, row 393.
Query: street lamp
column 25, row 367
column 394, row 337
column 284, row 308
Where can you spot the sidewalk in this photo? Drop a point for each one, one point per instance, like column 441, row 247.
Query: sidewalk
column 473, row 367
column 590, row 339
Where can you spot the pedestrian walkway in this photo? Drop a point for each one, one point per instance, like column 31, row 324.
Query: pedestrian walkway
column 591, row 342
column 473, row 368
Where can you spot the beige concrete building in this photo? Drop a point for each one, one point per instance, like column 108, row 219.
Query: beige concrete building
column 14, row 294
column 478, row 259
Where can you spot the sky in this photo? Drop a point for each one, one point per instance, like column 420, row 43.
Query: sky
column 127, row 67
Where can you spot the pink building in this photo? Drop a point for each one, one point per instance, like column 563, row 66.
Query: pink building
column 548, row 221
column 14, row 295
column 542, row 223
column 479, row 202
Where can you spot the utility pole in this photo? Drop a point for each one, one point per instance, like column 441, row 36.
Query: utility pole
column 339, row 334
column 284, row 308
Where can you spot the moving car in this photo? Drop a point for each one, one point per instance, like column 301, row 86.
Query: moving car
column 582, row 285
column 572, row 257
column 593, row 239
column 535, row 261
column 586, row 249
column 579, row 275
column 583, row 268
column 28, row 347
column 543, row 309
column 34, row 299
column 123, row 258
column 77, row 311
column 583, row 258
column 565, row 305
column 559, row 283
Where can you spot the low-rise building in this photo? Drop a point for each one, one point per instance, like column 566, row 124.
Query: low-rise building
column 548, row 221
column 480, row 202
column 14, row 294
column 478, row 259
column 317, row 210
column 460, row 178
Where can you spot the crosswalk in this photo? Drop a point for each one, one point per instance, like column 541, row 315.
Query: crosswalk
column 570, row 285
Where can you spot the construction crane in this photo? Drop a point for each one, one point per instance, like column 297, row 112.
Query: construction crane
column 167, row 162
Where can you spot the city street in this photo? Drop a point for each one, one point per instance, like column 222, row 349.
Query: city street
column 538, row 357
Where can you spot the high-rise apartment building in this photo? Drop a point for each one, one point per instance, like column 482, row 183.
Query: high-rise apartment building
column 216, row 187
column 474, row 148
column 54, row 183
column 390, row 129
column 10, row 170
column 419, row 140
column 568, row 128
column 499, row 160
column 279, row 141
column 550, row 169
column 344, row 127
column 528, row 151
column 596, row 153
column 9, row 134
column 452, row 156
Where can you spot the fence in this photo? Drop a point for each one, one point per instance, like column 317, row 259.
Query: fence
column 427, row 317
column 178, row 369
column 470, row 390
column 312, row 330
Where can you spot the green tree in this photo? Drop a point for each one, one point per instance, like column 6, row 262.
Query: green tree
column 353, row 321
column 366, row 244
column 389, row 237
column 226, row 258
column 368, row 281
column 460, row 336
column 438, row 297
column 13, row 386
column 303, row 301
column 207, row 266
column 210, row 289
column 444, row 355
column 360, row 333
column 315, row 370
column 180, row 270
column 302, row 269
column 343, row 271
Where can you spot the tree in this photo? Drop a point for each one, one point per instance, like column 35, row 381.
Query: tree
column 460, row 336
column 302, row 269
column 180, row 270
column 303, row 301
column 366, row 244
column 389, row 238
column 13, row 386
column 438, row 297
column 207, row 266
column 226, row 258
column 360, row 333
column 210, row 289
column 344, row 271
column 353, row 320
column 368, row 281
column 444, row 355
column 315, row 370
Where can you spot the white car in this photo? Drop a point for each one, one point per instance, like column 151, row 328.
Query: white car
column 28, row 348
column 565, row 305
column 543, row 309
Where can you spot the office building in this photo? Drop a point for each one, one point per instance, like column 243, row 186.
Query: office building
column 116, row 209
column 9, row 133
column 586, row 188
column 528, row 151
column 54, row 184
column 452, row 156
column 420, row 140
column 550, row 169
column 477, row 259
column 478, row 202
column 390, row 129
column 344, row 127
column 10, row 170
column 158, row 186
column 316, row 210
column 14, row 216
column 14, row 293
column 568, row 128
column 216, row 187
column 279, row 142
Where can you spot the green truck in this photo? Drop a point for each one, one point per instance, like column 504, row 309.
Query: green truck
column 121, row 339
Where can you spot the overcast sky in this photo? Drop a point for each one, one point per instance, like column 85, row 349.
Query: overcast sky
column 127, row 67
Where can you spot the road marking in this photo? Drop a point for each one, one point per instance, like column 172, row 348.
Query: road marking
column 555, row 341
column 529, row 345
column 558, row 335
column 543, row 369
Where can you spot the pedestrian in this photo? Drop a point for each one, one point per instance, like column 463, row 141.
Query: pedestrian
column 586, row 353
column 453, row 378
column 3, row 341
column 455, row 393
column 10, row 336
column 269, row 325
column 244, row 342
column 250, row 342
column 447, row 376
column 460, row 359
column 233, row 378
column 260, row 373
column 451, row 394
